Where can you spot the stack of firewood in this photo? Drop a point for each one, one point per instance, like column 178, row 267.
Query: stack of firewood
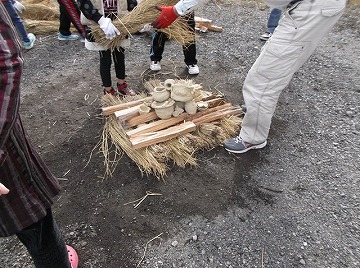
column 133, row 127
column 147, row 129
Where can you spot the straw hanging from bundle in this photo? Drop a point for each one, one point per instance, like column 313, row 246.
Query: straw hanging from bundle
column 144, row 13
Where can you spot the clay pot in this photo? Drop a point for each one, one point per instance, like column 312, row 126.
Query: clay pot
column 190, row 107
column 164, row 109
column 168, row 83
column 178, row 111
column 144, row 109
column 160, row 94
column 181, row 92
column 179, row 104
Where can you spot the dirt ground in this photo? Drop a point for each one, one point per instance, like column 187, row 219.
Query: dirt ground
column 294, row 203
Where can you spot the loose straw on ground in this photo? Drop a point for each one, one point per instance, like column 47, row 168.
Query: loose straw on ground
column 146, row 245
column 140, row 200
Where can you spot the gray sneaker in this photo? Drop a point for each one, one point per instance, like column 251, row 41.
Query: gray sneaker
column 238, row 146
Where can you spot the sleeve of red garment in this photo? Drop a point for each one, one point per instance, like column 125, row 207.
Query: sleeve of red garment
column 11, row 63
column 73, row 13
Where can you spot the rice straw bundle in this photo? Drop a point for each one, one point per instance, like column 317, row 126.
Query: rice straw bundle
column 40, row 12
column 42, row 26
column 144, row 13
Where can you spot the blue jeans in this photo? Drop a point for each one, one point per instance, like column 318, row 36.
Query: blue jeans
column 273, row 20
column 17, row 21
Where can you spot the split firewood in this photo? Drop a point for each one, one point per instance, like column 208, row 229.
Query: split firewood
column 162, row 135
column 216, row 116
column 208, row 111
column 214, row 28
column 157, row 125
column 215, row 102
column 141, row 119
column 205, row 24
column 127, row 113
column 161, row 124
column 111, row 109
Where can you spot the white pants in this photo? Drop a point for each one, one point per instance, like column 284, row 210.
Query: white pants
column 299, row 32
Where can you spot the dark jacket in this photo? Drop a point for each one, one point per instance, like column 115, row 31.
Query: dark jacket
column 22, row 171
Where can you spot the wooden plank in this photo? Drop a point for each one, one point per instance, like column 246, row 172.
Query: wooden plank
column 215, row 102
column 162, row 136
column 111, row 109
column 216, row 116
column 123, row 113
column 157, row 125
column 141, row 119
column 215, row 28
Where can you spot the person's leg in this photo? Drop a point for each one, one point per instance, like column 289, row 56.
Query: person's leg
column 273, row 20
column 105, row 66
column 45, row 243
column 190, row 50
column 158, row 40
column 71, row 10
column 17, row 21
column 119, row 63
column 296, row 37
column 65, row 23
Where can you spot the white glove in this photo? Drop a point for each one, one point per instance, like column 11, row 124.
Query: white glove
column 108, row 28
column 18, row 6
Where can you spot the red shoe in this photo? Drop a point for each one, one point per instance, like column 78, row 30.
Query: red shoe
column 124, row 90
column 112, row 91
column 73, row 257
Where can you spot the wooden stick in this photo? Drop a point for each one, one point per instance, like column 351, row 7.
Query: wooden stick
column 143, row 118
column 157, row 125
column 163, row 135
column 111, row 109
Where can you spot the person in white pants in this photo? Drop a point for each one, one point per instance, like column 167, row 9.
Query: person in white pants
column 304, row 24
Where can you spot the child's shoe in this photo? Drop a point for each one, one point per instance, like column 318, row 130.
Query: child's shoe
column 124, row 90
column 30, row 44
column 70, row 37
column 112, row 91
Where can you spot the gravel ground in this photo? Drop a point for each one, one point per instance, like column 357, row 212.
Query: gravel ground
column 293, row 204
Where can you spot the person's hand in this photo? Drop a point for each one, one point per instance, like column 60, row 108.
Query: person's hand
column 108, row 28
column 167, row 16
column 18, row 6
column 3, row 189
column 131, row 4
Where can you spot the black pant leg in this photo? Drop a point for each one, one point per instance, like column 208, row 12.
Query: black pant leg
column 158, row 40
column 190, row 50
column 65, row 21
column 45, row 243
column 105, row 67
column 119, row 62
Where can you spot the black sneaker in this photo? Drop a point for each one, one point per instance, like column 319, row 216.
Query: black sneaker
column 238, row 146
column 266, row 36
